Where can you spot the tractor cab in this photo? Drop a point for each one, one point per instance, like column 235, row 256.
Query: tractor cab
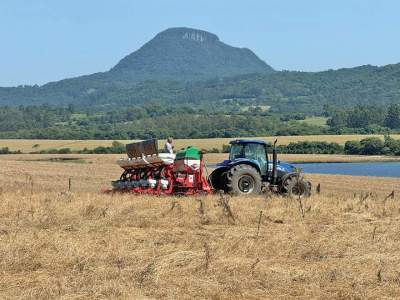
column 253, row 151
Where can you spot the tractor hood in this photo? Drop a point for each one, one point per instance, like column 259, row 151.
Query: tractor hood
column 282, row 167
column 229, row 163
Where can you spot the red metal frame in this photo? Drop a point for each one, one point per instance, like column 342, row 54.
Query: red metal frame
column 187, row 182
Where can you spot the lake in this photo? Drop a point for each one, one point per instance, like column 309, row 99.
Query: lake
column 382, row 169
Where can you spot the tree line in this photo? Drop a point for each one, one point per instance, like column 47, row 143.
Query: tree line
column 364, row 119
column 143, row 122
column 154, row 120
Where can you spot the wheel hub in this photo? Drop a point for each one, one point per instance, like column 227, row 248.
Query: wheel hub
column 298, row 190
column 246, row 184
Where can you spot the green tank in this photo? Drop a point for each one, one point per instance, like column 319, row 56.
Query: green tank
column 188, row 153
column 189, row 157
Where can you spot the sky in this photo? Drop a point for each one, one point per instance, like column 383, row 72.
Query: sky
column 47, row 40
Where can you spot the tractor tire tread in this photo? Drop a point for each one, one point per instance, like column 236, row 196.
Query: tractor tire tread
column 305, row 187
column 237, row 171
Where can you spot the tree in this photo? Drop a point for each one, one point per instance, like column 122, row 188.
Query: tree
column 392, row 145
column 338, row 119
column 352, row 147
column 71, row 108
column 392, row 119
column 372, row 146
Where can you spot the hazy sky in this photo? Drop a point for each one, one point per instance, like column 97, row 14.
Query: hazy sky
column 48, row 40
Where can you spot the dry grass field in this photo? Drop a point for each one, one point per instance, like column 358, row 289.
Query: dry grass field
column 27, row 146
column 341, row 244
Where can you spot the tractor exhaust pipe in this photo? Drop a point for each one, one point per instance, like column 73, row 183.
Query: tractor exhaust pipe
column 274, row 164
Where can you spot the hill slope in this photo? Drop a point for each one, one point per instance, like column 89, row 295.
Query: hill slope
column 282, row 91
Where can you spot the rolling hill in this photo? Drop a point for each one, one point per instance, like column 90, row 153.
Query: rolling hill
column 184, row 65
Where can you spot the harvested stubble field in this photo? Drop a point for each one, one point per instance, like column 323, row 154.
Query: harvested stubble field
column 343, row 243
column 31, row 145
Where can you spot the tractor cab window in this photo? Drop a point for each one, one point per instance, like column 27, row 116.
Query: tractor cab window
column 254, row 151
column 257, row 152
column 236, row 152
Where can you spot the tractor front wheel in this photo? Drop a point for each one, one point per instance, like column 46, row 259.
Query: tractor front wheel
column 297, row 187
column 243, row 180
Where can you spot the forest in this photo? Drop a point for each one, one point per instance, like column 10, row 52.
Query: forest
column 157, row 120
column 282, row 92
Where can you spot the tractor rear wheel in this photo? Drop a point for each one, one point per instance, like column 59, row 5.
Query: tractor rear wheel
column 297, row 187
column 243, row 180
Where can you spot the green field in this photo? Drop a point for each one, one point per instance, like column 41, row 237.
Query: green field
column 316, row 121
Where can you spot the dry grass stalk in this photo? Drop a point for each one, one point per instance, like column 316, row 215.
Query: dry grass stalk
column 390, row 196
column 301, row 208
column 363, row 197
column 175, row 205
column 146, row 274
column 223, row 202
column 259, row 223
column 254, row 265
column 379, row 274
column 206, row 255
column 201, row 208
column 373, row 233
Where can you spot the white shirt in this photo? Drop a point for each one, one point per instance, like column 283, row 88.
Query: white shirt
column 168, row 148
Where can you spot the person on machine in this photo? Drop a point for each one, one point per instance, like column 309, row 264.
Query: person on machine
column 168, row 147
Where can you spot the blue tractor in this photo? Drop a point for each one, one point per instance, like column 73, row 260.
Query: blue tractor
column 249, row 171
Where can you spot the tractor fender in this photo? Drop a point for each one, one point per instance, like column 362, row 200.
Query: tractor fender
column 216, row 178
column 244, row 162
column 218, row 171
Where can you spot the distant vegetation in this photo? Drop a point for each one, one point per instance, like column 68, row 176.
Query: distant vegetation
column 142, row 122
column 154, row 120
column 115, row 148
column 364, row 119
column 284, row 92
column 373, row 146
column 367, row 146
column 311, row 148
column 6, row 150
column 186, row 83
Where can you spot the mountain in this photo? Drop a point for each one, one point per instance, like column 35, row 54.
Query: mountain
column 187, row 54
column 183, row 65
column 176, row 54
